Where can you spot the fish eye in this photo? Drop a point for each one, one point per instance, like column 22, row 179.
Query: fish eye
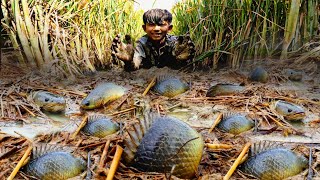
column 87, row 103
column 46, row 99
column 289, row 110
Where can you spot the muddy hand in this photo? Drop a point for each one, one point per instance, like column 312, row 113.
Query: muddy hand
column 120, row 50
column 184, row 48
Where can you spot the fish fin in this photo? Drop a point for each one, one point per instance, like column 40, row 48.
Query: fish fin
column 136, row 134
column 260, row 146
column 229, row 114
column 162, row 77
column 128, row 155
column 94, row 117
column 33, row 94
column 40, row 149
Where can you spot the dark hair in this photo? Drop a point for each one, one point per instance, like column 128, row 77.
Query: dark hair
column 157, row 16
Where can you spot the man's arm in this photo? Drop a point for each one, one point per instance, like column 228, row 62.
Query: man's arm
column 130, row 56
column 122, row 51
column 184, row 49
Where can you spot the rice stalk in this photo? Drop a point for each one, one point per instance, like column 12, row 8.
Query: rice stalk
column 32, row 33
column 291, row 24
column 11, row 32
column 76, row 33
column 245, row 29
column 22, row 32
column 43, row 23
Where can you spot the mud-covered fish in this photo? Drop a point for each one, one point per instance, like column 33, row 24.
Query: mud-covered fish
column 101, row 95
column 289, row 111
column 235, row 124
column 49, row 102
column 54, row 163
column 224, row 89
column 259, row 74
column 274, row 164
column 164, row 144
column 293, row 75
column 170, row 86
column 100, row 126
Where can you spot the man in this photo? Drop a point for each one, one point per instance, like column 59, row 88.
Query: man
column 157, row 47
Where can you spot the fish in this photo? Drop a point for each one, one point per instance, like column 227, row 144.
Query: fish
column 289, row 111
column 293, row 75
column 53, row 162
column 235, row 124
column 101, row 95
column 100, row 125
column 49, row 102
column 259, row 74
column 224, row 89
column 274, row 163
column 169, row 86
column 164, row 145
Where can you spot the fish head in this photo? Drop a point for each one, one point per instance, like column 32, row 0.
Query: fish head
column 293, row 75
column 49, row 101
column 91, row 102
column 289, row 111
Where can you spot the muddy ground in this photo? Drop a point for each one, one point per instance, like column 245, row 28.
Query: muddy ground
column 22, row 121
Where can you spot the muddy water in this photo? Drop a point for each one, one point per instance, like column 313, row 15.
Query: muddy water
column 38, row 125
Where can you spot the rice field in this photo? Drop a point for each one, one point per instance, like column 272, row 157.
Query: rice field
column 63, row 47
column 75, row 36
column 236, row 30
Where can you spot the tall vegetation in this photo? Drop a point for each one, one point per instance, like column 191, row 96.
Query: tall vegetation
column 235, row 30
column 73, row 35
column 76, row 35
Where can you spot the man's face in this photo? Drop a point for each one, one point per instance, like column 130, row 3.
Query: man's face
column 157, row 32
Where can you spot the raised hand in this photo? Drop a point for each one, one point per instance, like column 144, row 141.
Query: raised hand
column 120, row 50
column 184, row 48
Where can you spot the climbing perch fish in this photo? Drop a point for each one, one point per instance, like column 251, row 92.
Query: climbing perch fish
column 293, row 75
column 275, row 164
column 289, row 111
column 170, row 86
column 235, row 124
column 54, row 164
column 49, row 102
column 224, row 89
column 259, row 74
column 102, row 94
column 164, row 145
column 100, row 126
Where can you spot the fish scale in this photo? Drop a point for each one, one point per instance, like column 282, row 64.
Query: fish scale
column 55, row 165
column 235, row 124
column 275, row 164
column 170, row 86
column 168, row 143
column 100, row 126
column 224, row 89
